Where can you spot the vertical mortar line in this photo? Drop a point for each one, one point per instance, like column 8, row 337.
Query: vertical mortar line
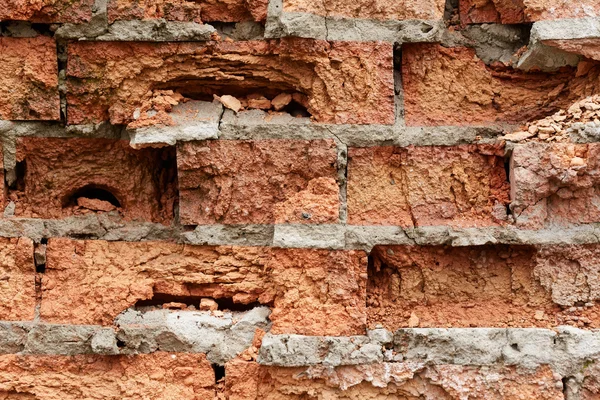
column 398, row 88
column 342, row 165
column 61, row 59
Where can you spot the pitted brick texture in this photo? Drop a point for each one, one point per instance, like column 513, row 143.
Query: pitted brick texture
column 17, row 280
column 451, row 86
column 369, row 9
column 28, row 79
column 158, row 376
column 418, row 186
column 313, row 292
column 259, row 182
column 346, row 82
column 47, row 11
column 56, row 170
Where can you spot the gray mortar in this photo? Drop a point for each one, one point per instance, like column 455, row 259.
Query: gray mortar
column 220, row 338
column 239, row 235
column 309, row 236
column 157, row 30
column 588, row 132
column 496, row 42
column 20, row 29
column 97, row 26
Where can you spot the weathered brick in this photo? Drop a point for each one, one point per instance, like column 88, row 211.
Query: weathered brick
column 483, row 286
column 369, row 9
column 47, row 11
column 187, row 11
column 345, row 82
column 146, row 376
column 451, row 86
column 28, row 79
column 407, row 381
column 588, row 47
column 516, row 12
column 260, row 182
column 555, row 184
column 416, row 186
column 17, row 279
column 312, row 292
column 590, row 387
column 59, row 172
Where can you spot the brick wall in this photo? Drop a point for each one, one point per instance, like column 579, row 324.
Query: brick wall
column 299, row 199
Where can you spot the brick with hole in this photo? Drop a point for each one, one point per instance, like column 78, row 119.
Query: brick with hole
column 311, row 292
column 28, row 79
column 451, row 86
column 17, row 279
column 344, row 82
column 156, row 376
column 258, row 182
column 463, row 186
column 60, row 177
column 47, row 11
column 188, row 11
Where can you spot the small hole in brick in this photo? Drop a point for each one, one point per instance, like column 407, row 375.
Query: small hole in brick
column 515, row 346
column 161, row 300
column 20, row 170
column 94, row 198
column 219, row 372
column 120, row 344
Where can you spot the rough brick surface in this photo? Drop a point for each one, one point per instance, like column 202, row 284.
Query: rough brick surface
column 186, row 11
column 519, row 11
column 58, row 172
column 314, row 292
column 346, row 82
column 260, row 182
column 17, row 279
column 591, row 383
column 416, row 186
column 451, row 86
column 47, row 11
column 555, row 184
column 370, row 9
column 28, row 79
column 410, row 381
column 153, row 376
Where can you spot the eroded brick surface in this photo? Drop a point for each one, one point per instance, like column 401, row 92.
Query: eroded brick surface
column 145, row 376
column 370, row 9
column 416, row 186
column 451, row 86
column 519, row 11
column 28, row 79
column 589, row 47
column 47, row 11
column 346, row 82
column 313, row 292
column 259, row 182
column 58, row 172
column 409, row 381
column 591, row 382
column 17, row 279
column 186, row 11
column 483, row 286
column 555, row 184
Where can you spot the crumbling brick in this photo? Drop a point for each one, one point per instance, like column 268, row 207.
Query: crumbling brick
column 259, row 182
column 145, row 376
column 313, row 292
column 59, row 172
column 28, row 79
column 345, row 82
column 17, row 279
column 47, row 11
column 417, row 186
column 451, row 86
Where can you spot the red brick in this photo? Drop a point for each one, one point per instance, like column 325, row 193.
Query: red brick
column 187, row 11
column 28, row 79
column 312, row 292
column 154, row 376
column 346, row 82
column 555, row 184
column 519, row 11
column 417, row 186
column 368, row 9
column 17, row 279
column 451, row 86
column 47, row 11
column 58, row 171
column 259, row 182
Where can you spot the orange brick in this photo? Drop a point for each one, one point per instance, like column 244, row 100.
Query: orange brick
column 154, row 376
column 28, row 79
column 312, row 292
column 17, row 279
column 345, row 82
column 259, row 182
column 47, row 11
column 418, row 186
